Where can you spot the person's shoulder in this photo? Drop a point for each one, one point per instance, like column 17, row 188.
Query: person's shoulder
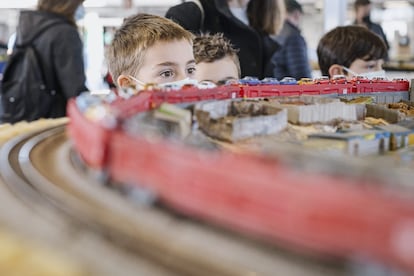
column 289, row 30
column 64, row 28
column 63, row 36
column 182, row 8
column 64, row 24
column 375, row 26
column 295, row 38
column 54, row 24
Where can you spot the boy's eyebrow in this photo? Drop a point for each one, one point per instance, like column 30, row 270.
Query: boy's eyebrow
column 167, row 63
column 170, row 63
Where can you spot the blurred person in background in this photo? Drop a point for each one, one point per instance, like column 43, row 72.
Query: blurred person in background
column 363, row 18
column 4, row 29
column 351, row 51
column 10, row 43
column 291, row 60
column 247, row 24
column 59, row 48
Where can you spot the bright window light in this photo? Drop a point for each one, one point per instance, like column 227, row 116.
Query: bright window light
column 18, row 4
column 95, row 3
column 25, row 4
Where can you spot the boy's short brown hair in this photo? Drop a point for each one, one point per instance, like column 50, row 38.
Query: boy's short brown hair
column 343, row 45
column 213, row 47
column 135, row 36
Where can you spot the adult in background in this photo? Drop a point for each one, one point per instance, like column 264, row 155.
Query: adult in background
column 363, row 18
column 247, row 24
column 292, row 57
column 4, row 29
column 59, row 48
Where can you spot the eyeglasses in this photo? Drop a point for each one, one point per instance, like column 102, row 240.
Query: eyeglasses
column 350, row 71
column 137, row 81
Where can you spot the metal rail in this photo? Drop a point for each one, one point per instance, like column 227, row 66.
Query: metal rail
column 181, row 246
column 37, row 216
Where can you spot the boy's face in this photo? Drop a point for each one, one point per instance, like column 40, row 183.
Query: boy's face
column 218, row 71
column 167, row 61
column 358, row 67
column 361, row 66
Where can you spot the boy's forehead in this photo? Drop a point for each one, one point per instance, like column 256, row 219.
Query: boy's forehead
column 218, row 70
column 371, row 58
column 173, row 51
column 362, row 62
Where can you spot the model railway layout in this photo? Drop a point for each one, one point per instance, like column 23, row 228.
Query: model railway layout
column 55, row 241
column 278, row 197
column 390, row 91
column 44, row 186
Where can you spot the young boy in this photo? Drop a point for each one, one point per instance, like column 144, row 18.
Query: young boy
column 216, row 59
column 150, row 49
column 350, row 51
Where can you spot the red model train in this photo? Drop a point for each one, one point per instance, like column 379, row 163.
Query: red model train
column 316, row 212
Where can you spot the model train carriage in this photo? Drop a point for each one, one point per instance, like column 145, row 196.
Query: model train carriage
column 262, row 196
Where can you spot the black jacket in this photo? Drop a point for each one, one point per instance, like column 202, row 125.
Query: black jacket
column 291, row 60
column 376, row 28
column 60, row 49
column 254, row 48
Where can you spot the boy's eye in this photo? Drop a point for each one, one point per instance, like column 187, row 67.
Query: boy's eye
column 191, row 70
column 371, row 66
column 167, row 74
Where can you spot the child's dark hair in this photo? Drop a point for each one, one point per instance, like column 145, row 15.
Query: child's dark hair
column 343, row 45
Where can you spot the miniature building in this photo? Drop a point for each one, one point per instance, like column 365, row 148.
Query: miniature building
column 360, row 143
column 168, row 121
column 399, row 136
column 316, row 109
column 380, row 111
column 409, row 124
column 235, row 120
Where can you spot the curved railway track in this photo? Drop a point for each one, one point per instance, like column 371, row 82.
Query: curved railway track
column 39, row 173
column 40, row 217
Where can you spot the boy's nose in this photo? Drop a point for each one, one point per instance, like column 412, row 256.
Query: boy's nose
column 182, row 75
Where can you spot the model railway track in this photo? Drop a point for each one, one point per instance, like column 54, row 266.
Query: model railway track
column 38, row 169
column 33, row 214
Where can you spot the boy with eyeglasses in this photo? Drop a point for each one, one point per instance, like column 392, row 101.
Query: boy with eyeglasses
column 351, row 51
column 150, row 49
